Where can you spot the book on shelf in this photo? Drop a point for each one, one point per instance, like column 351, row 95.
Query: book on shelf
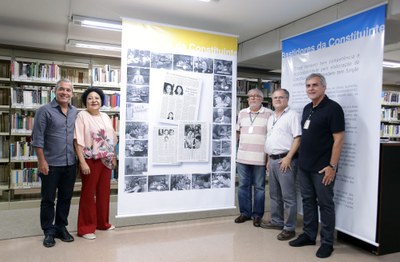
column 106, row 75
column 5, row 69
column 390, row 98
column 22, row 122
column 75, row 75
column 4, row 122
column 28, row 96
column 4, row 152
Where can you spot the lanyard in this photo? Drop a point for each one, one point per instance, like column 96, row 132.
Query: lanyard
column 253, row 119
column 276, row 119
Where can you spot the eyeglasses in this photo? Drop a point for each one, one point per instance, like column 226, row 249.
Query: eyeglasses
column 279, row 97
column 255, row 96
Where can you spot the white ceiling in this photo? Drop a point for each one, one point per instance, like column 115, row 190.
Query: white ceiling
column 46, row 23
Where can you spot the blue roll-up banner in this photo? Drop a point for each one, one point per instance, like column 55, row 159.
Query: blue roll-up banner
column 349, row 53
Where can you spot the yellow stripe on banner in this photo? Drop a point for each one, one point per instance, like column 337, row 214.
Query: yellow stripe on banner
column 159, row 37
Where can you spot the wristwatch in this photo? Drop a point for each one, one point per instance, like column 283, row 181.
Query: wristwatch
column 334, row 167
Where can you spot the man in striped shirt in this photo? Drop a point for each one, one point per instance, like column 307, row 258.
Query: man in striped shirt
column 251, row 160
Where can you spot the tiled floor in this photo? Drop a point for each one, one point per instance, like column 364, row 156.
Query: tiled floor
column 213, row 239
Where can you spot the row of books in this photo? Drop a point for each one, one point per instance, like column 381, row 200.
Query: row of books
column 22, row 150
column 106, row 74
column 390, row 130
column 390, row 97
column 24, row 178
column 31, row 96
column 75, row 75
column 390, row 114
column 115, row 122
column 4, row 147
column 34, row 71
column 22, row 122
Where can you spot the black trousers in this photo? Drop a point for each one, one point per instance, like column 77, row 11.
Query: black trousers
column 59, row 182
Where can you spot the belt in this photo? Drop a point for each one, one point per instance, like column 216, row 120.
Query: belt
column 279, row 156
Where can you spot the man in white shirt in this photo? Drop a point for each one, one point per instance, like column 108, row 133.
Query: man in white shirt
column 283, row 140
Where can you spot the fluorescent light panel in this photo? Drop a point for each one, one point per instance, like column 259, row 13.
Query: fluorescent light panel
column 94, row 45
column 97, row 23
column 390, row 64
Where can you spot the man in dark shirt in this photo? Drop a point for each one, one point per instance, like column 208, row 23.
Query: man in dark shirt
column 322, row 139
column 52, row 138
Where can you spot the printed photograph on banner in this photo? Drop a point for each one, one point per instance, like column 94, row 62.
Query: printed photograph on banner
column 222, row 83
column 183, row 62
column 193, row 143
column 222, row 132
column 201, row 181
column 137, row 93
column 159, row 183
column 222, row 99
column 181, row 182
column 222, row 67
column 136, row 130
column 221, row 180
column 203, row 65
column 221, row 164
column 222, row 115
column 135, row 148
column 180, row 98
column 135, row 166
column 138, row 57
column 135, row 184
column 138, row 75
column 135, row 111
column 221, row 148
column 165, row 146
column 161, row 60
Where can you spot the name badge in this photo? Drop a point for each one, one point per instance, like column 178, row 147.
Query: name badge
column 307, row 124
column 251, row 130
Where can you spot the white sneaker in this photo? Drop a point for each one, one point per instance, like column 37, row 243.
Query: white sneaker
column 89, row 236
column 112, row 227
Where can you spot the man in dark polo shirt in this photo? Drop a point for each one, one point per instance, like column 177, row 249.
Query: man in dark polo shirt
column 52, row 138
column 322, row 139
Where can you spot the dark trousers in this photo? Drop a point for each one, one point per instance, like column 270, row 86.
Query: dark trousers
column 314, row 195
column 59, row 182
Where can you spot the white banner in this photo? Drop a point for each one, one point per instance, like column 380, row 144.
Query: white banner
column 172, row 84
column 349, row 53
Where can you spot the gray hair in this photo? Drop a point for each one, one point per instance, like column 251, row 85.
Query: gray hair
column 258, row 91
column 320, row 76
column 63, row 80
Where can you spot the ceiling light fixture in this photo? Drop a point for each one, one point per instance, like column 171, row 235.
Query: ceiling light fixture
column 97, row 23
column 94, row 45
column 391, row 64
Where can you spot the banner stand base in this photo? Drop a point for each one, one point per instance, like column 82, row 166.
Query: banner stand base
column 357, row 242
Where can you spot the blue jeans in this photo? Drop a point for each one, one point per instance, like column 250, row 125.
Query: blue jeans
column 282, row 193
column 315, row 194
column 251, row 176
column 60, row 180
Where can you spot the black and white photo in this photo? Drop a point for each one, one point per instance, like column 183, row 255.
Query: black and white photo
column 137, row 93
column 201, row 181
column 136, row 130
column 135, row 166
column 135, row 184
column 158, row 183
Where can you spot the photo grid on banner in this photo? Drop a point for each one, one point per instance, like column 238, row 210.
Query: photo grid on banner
column 349, row 53
column 177, row 134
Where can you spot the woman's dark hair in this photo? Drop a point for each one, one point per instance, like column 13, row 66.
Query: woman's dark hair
column 90, row 90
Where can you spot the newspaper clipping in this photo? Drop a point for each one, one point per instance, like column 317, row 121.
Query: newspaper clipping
column 165, row 150
column 193, row 142
column 180, row 99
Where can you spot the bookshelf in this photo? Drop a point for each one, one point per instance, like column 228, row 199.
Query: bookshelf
column 245, row 84
column 27, row 81
column 390, row 118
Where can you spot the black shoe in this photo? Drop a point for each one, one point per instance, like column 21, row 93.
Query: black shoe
column 48, row 241
column 302, row 240
column 257, row 221
column 241, row 219
column 269, row 225
column 324, row 251
column 286, row 235
column 64, row 236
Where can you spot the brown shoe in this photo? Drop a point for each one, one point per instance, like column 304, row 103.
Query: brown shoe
column 286, row 235
column 269, row 225
column 242, row 219
column 257, row 221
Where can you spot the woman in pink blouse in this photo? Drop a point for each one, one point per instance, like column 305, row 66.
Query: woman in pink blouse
column 95, row 142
